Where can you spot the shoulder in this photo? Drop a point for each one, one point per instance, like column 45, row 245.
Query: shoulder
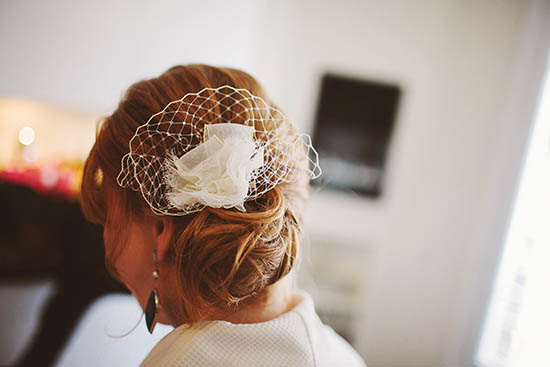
column 296, row 338
column 329, row 348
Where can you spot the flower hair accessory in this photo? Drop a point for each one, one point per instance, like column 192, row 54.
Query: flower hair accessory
column 218, row 171
column 219, row 147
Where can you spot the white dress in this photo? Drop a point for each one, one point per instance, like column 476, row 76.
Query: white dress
column 296, row 338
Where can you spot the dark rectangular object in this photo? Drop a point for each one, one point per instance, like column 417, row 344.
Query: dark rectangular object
column 353, row 128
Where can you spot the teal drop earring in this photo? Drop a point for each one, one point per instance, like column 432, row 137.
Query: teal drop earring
column 153, row 304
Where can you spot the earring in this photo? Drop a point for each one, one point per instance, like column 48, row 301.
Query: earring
column 153, row 304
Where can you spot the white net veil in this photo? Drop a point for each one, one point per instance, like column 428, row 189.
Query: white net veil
column 219, row 147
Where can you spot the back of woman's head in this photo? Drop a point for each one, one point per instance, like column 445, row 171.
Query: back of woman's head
column 223, row 257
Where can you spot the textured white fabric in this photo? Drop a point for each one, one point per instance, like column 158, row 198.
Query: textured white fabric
column 296, row 338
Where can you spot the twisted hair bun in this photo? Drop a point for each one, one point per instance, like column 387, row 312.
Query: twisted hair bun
column 223, row 257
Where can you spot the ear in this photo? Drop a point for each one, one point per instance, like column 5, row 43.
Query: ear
column 162, row 230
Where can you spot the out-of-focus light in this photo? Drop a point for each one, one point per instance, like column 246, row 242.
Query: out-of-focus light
column 26, row 135
column 30, row 154
column 49, row 176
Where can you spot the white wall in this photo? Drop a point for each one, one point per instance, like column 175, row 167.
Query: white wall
column 456, row 62
column 435, row 236
column 86, row 53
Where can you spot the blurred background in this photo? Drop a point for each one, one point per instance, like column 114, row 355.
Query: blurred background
column 426, row 237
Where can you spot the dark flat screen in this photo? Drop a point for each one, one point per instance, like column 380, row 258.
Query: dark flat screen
column 353, row 129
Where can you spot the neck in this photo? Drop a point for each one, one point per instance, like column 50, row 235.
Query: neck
column 276, row 300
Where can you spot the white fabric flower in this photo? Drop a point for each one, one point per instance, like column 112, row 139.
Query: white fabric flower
column 217, row 172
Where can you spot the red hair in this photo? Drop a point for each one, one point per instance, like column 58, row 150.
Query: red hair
column 223, row 257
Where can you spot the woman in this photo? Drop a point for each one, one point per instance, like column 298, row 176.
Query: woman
column 200, row 184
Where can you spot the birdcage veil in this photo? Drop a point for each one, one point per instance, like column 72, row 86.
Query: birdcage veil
column 219, row 147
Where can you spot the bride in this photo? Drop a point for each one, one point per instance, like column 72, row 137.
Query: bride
column 200, row 183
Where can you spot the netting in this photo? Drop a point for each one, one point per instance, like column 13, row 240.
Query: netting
column 218, row 147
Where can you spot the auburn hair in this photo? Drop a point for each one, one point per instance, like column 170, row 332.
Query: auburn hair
column 223, row 257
